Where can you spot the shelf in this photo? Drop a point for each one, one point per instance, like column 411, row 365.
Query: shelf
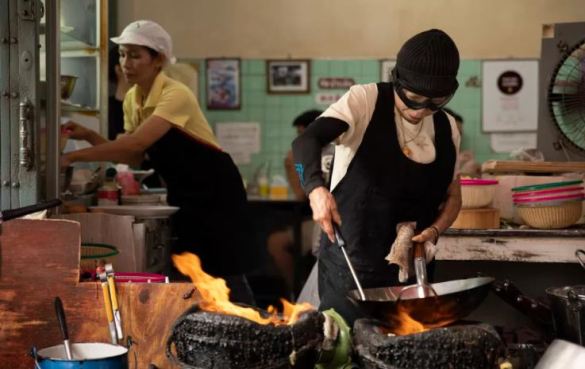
column 79, row 109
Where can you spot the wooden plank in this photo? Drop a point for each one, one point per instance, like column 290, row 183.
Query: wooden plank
column 40, row 261
column 501, row 166
column 517, row 249
column 115, row 230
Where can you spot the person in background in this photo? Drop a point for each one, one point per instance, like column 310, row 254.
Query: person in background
column 280, row 242
column 118, row 86
column 466, row 163
column 394, row 172
column 163, row 120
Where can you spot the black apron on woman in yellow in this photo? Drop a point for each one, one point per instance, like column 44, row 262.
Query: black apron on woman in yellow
column 213, row 220
column 382, row 187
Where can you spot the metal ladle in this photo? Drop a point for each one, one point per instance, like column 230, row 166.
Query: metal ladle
column 341, row 243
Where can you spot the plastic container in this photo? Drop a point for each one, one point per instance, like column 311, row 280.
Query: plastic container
column 477, row 193
column 94, row 253
column 108, row 194
column 560, row 198
column 551, row 192
column 551, row 217
column 547, row 186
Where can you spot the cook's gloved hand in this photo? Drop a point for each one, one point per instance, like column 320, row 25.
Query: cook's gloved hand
column 401, row 251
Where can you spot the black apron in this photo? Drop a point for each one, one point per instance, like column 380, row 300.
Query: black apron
column 382, row 187
column 213, row 220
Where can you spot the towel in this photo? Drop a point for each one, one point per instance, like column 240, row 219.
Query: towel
column 401, row 250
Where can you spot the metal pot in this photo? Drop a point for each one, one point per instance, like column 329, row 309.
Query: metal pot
column 562, row 355
column 85, row 356
column 568, row 312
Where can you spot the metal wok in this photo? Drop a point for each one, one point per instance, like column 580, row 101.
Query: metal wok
column 455, row 300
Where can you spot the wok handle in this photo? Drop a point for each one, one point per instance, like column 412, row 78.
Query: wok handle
column 533, row 309
column 418, row 250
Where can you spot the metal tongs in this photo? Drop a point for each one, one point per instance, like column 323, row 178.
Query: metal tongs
column 341, row 243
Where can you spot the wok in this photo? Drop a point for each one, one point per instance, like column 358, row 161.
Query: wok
column 454, row 300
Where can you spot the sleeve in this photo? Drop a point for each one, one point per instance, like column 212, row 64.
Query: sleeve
column 174, row 106
column 307, row 150
column 128, row 125
column 350, row 108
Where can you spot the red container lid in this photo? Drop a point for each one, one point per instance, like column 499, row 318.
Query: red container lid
column 478, row 182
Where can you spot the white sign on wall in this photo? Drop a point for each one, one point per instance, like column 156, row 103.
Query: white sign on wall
column 510, row 96
column 508, row 142
column 240, row 140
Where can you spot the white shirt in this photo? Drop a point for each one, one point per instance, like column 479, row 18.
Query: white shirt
column 356, row 108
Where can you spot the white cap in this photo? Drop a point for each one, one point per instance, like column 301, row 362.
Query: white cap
column 150, row 34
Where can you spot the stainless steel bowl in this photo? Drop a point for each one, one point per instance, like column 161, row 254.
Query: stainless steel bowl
column 67, row 86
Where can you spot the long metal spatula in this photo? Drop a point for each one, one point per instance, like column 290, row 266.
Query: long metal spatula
column 341, row 243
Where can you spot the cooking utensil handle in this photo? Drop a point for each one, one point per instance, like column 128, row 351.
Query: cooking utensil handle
column 17, row 213
column 419, row 250
column 536, row 310
column 338, row 236
column 341, row 243
column 63, row 325
column 579, row 254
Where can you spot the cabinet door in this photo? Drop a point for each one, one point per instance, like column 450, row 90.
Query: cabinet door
column 19, row 125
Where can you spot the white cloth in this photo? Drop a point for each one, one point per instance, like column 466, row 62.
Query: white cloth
column 401, row 251
column 356, row 108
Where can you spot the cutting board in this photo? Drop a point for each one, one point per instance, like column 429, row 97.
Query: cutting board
column 503, row 166
column 484, row 218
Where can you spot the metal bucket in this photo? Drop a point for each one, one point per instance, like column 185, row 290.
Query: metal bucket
column 85, row 356
column 568, row 310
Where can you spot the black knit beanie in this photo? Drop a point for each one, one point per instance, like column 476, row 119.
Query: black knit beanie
column 427, row 64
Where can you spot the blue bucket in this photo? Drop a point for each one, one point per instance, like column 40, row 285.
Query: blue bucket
column 85, row 356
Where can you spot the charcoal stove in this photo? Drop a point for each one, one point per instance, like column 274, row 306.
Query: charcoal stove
column 214, row 340
column 473, row 346
column 220, row 341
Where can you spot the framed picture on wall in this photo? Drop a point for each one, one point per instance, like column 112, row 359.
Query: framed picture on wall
column 386, row 67
column 288, row 76
column 223, row 84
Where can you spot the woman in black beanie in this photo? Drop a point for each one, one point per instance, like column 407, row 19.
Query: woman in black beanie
column 394, row 169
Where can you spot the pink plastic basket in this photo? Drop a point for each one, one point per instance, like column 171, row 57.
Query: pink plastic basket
column 478, row 182
column 578, row 196
column 139, row 277
column 546, row 192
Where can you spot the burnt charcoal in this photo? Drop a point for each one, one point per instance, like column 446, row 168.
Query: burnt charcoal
column 475, row 346
column 214, row 340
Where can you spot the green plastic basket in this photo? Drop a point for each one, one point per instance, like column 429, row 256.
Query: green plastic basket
column 547, row 186
column 91, row 252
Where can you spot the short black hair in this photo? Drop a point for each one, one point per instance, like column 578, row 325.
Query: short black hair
column 457, row 117
column 307, row 118
column 113, row 60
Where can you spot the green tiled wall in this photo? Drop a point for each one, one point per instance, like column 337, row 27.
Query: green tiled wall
column 275, row 113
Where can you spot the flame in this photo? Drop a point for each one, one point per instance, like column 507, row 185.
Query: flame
column 405, row 325
column 214, row 295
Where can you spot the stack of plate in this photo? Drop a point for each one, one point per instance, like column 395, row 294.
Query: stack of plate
column 141, row 200
column 550, row 205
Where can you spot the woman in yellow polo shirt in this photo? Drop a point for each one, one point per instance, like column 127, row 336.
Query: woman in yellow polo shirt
column 164, row 122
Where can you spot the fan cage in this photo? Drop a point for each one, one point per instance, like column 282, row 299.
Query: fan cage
column 566, row 97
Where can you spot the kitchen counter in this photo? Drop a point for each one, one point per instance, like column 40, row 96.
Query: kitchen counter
column 517, row 244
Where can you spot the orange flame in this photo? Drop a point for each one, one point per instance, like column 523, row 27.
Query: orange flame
column 215, row 295
column 406, row 325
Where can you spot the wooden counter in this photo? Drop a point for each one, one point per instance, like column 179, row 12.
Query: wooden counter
column 518, row 245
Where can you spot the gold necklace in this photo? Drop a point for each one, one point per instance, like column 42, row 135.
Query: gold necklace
column 405, row 148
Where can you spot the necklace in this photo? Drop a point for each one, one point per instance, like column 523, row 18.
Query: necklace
column 405, row 148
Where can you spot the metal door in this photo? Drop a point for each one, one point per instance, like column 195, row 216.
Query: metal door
column 19, row 85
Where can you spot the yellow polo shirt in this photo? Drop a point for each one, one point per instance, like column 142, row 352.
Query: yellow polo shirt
column 172, row 101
